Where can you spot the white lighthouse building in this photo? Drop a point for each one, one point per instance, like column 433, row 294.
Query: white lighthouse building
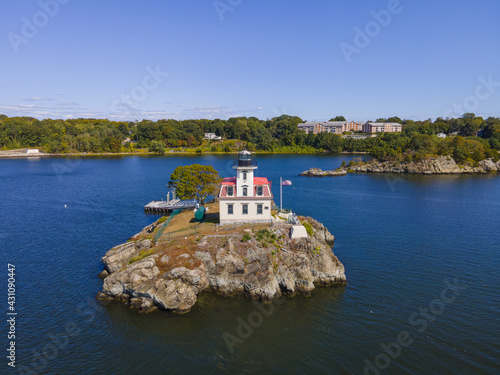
column 245, row 198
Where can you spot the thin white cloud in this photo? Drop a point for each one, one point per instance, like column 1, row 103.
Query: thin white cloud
column 38, row 99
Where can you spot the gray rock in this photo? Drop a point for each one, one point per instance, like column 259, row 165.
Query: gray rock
column 316, row 172
column 230, row 246
column 103, row 274
column 174, row 295
column 488, row 165
column 165, row 259
column 119, row 255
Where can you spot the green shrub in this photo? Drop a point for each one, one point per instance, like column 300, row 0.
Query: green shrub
column 246, row 238
column 162, row 219
column 309, row 228
column 261, row 234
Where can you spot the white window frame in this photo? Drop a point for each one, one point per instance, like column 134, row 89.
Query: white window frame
column 230, row 207
column 259, row 205
column 243, row 206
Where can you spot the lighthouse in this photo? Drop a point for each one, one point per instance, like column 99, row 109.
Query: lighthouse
column 245, row 198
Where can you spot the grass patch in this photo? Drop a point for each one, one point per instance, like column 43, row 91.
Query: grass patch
column 309, row 228
column 162, row 219
column 143, row 254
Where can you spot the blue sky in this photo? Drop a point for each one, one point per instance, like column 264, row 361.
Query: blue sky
column 260, row 58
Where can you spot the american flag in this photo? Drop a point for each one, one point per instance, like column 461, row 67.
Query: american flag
column 286, row 182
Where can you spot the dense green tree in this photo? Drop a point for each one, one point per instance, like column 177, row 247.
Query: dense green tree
column 195, row 182
column 157, row 147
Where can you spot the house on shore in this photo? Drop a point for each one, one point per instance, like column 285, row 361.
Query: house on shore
column 245, row 198
column 212, row 137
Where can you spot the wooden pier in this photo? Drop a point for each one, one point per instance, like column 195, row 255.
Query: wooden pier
column 171, row 205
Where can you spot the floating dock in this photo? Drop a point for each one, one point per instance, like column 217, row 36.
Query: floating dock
column 171, row 205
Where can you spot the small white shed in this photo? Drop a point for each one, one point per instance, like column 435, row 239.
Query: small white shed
column 298, row 231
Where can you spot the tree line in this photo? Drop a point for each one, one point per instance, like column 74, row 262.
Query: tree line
column 280, row 134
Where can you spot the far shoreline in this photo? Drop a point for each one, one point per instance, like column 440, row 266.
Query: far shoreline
column 98, row 154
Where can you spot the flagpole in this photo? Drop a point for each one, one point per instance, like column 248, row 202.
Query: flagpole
column 281, row 194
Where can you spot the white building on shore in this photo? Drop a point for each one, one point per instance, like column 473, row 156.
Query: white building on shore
column 245, row 198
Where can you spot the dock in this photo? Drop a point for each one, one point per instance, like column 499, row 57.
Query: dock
column 171, row 205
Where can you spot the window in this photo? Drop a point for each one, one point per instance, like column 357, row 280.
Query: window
column 245, row 191
column 245, row 209
column 260, row 190
column 245, row 175
column 230, row 209
column 259, row 209
column 230, row 191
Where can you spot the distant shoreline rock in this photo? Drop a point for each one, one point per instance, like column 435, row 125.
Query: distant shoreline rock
column 316, row 172
column 260, row 264
column 435, row 165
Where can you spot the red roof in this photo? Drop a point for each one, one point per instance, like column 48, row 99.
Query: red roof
column 229, row 181
column 260, row 181
column 256, row 181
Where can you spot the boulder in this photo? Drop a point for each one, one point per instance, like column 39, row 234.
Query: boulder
column 120, row 255
column 489, row 165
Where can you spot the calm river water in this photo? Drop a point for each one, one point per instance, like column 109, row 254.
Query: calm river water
column 402, row 239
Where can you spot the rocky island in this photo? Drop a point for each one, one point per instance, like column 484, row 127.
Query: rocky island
column 431, row 165
column 316, row 172
column 262, row 262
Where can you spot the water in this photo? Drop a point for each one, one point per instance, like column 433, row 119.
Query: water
column 400, row 238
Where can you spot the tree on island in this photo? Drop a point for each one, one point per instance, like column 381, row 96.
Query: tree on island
column 338, row 118
column 195, row 182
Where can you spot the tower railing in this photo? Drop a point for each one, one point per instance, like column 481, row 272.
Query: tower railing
column 245, row 163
